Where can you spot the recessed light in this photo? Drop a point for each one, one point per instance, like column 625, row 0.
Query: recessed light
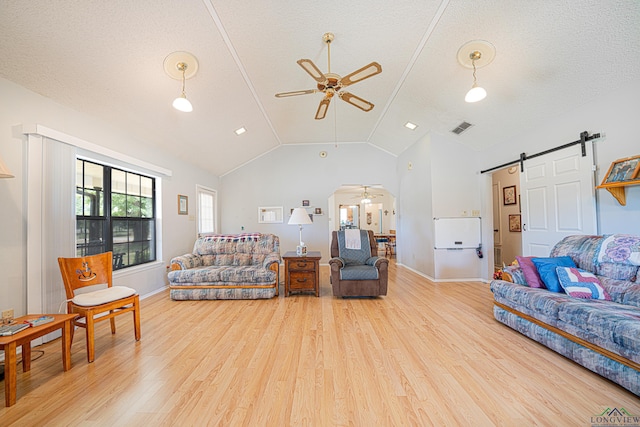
column 240, row 131
column 410, row 125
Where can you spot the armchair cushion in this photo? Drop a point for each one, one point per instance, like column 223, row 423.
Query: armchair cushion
column 359, row 272
column 372, row 261
column 355, row 256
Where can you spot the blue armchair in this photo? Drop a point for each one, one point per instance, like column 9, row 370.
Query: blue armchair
column 357, row 272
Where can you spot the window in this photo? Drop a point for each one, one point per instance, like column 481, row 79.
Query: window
column 206, row 211
column 115, row 211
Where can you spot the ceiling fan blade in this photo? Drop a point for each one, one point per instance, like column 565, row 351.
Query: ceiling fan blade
column 313, row 71
column 323, row 107
column 361, row 74
column 295, row 93
column 356, row 101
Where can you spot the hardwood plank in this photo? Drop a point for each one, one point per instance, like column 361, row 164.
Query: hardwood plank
column 426, row 354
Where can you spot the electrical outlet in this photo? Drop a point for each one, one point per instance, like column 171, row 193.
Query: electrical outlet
column 7, row 315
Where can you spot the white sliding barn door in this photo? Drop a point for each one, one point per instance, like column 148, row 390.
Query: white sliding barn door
column 558, row 198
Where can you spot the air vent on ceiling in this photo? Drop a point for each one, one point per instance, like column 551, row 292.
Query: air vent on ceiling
column 461, row 128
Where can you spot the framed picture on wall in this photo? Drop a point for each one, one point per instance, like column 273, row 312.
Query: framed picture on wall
column 514, row 223
column 183, row 205
column 622, row 170
column 509, row 195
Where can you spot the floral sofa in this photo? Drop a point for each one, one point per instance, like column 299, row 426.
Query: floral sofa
column 236, row 266
column 594, row 318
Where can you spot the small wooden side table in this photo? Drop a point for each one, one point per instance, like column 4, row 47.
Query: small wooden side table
column 301, row 272
column 24, row 338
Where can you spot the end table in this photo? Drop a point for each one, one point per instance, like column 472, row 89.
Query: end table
column 301, row 272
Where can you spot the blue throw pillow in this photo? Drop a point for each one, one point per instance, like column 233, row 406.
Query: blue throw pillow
column 547, row 270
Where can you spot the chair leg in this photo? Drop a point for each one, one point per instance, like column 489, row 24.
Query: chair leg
column 113, row 323
column 91, row 354
column 136, row 317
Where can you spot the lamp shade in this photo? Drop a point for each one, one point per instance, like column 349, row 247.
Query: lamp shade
column 181, row 103
column 299, row 217
column 475, row 94
column 4, row 171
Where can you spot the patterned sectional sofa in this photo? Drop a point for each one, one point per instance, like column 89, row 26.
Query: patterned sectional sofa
column 599, row 334
column 237, row 266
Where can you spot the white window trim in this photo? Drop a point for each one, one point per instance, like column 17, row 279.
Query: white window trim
column 203, row 189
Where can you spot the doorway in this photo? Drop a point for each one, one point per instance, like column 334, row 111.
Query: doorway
column 507, row 236
column 349, row 216
column 369, row 207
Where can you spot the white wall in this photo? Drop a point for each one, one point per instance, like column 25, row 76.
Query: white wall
column 415, row 208
column 438, row 178
column 20, row 106
column 292, row 173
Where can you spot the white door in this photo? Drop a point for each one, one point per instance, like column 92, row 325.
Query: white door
column 558, row 198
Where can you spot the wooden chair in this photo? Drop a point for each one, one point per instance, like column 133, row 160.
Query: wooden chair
column 390, row 245
column 78, row 273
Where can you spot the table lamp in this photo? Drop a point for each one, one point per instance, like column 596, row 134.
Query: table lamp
column 300, row 217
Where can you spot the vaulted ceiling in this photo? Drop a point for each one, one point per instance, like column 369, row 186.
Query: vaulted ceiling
column 105, row 58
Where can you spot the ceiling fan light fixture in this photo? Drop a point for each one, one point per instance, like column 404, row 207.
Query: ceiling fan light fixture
column 331, row 84
column 366, row 200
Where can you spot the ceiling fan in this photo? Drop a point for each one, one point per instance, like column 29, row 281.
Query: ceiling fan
column 366, row 196
column 331, row 84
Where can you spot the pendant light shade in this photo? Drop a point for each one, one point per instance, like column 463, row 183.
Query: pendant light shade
column 181, row 103
column 475, row 94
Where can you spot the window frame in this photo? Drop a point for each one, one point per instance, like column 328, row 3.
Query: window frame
column 148, row 236
column 201, row 189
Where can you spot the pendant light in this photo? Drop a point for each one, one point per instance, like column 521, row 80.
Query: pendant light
column 181, row 103
column 476, row 93
column 181, row 66
column 476, row 54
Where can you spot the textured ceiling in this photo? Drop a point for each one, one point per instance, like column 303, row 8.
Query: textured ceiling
column 551, row 56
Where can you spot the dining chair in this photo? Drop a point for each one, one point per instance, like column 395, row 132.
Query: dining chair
column 107, row 302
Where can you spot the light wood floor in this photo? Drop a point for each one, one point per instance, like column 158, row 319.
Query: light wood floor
column 426, row 354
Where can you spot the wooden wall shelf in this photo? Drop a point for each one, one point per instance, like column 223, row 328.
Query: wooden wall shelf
column 618, row 190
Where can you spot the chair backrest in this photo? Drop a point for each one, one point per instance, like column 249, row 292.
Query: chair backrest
column 335, row 248
column 86, row 271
